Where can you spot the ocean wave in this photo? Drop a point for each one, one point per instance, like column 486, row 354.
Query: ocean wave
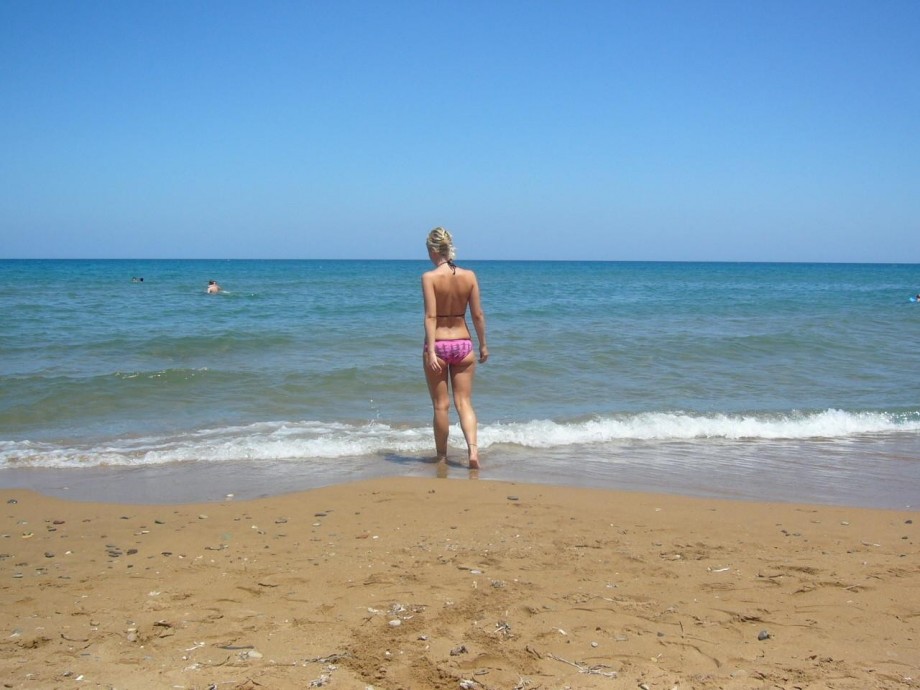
column 323, row 441
column 679, row 426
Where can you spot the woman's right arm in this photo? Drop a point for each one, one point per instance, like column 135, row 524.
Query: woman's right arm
column 479, row 320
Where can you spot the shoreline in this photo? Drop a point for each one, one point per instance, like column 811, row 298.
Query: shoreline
column 856, row 481
column 420, row 582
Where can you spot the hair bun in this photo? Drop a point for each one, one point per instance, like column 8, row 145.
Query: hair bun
column 441, row 241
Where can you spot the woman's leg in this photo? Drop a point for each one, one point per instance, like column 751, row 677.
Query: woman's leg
column 440, row 401
column 461, row 381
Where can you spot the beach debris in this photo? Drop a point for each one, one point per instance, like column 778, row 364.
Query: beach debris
column 12, row 501
column 503, row 628
column 763, row 635
column 328, row 659
column 513, row 498
column 320, row 682
column 533, row 652
column 457, row 651
column 596, row 670
column 401, row 612
column 74, row 639
column 165, row 628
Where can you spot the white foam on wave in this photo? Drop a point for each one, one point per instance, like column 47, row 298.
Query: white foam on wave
column 677, row 426
column 321, row 441
column 263, row 442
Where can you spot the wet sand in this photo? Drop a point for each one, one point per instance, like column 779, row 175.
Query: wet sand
column 425, row 583
column 807, row 473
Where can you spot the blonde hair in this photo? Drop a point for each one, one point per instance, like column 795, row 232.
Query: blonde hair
column 442, row 242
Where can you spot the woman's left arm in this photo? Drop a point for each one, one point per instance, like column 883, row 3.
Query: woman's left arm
column 431, row 320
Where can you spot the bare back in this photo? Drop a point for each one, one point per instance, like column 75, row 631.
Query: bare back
column 451, row 292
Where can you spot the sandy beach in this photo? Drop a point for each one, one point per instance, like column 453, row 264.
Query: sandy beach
column 427, row 583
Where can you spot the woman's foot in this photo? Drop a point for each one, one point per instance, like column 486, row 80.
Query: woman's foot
column 474, row 457
column 441, row 468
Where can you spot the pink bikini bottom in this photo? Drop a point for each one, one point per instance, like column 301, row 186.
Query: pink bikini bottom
column 452, row 351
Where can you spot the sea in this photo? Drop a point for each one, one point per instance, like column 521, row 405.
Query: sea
column 123, row 381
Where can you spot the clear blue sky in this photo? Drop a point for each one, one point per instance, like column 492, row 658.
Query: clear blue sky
column 734, row 130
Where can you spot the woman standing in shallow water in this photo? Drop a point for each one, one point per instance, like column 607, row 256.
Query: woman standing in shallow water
column 448, row 353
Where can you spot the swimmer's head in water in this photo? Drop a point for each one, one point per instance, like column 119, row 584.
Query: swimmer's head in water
column 441, row 242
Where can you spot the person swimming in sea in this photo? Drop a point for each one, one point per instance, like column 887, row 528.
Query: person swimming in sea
column 213, row 287
column 447, row 356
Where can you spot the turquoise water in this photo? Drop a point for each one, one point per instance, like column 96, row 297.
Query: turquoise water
column 791, row 382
